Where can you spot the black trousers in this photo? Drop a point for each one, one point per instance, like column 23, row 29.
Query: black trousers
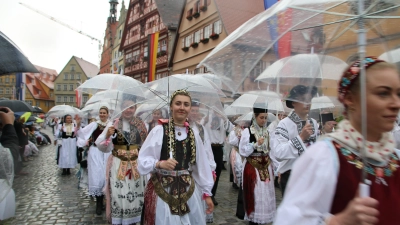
column 218, row 152
column 284, row 179
column 240, row 213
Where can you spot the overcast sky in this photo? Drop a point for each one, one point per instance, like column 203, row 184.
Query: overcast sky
column 49, row 44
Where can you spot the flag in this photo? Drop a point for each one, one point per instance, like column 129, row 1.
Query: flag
column 78, row 96
column 278, row 24
column 152, row 45
column 20, row 86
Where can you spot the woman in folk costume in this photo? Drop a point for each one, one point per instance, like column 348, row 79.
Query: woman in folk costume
column 124, row 186
column 324, row 185
column 258, row 176
column 96, row 160
column 181, row 177
column 157, row 114
column 66, row 133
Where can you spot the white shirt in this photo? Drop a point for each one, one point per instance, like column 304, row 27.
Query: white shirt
column 217, row 132
column 150, row 154
column 287, row 144
column 207, row 146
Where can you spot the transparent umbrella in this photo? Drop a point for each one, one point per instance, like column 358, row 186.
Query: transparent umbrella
column 103, row 96
column 249, row 116
column 62, row 110
column 347, row 29
column 224, row 83
column 107, row 81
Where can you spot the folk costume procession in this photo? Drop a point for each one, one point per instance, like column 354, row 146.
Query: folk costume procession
column 306, row 127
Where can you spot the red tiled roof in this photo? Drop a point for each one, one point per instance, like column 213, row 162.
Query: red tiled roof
column 234, row 13
column 35, row 87
column 46, row 75
column 88, row 68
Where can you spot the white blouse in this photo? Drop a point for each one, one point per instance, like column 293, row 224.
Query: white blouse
column 150, row 152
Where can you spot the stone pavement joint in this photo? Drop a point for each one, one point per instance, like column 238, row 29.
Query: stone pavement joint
column 46, row 197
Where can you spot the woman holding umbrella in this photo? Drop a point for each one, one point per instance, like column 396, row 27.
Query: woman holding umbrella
column 180, row 171
column 96, row 159
column 124, row 186
column 323, row 187
column 258, row 176
column 66, row 132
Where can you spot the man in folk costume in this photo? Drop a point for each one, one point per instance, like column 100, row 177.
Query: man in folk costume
column 194, row 119
column 294, row 133
column 124, row 188
column 217, row 128
column 328, row 123
column 258, row 176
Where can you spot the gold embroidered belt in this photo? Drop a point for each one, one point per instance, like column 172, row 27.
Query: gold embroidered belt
column 128, row 155
column 178, row 194
column 260, row 162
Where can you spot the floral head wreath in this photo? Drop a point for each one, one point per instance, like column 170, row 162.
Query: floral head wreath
column 351, row 75
column 180, row 92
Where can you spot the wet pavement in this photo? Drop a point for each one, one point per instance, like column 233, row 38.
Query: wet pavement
column 45, row 197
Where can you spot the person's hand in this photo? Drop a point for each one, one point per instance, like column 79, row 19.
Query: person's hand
column 6, row 116
column 78, row 121
column 210, row 205
column 260, row 141
column 111, row 131
column 361, row 211
column 306, row 132
column 168, row 164
column 55, row 142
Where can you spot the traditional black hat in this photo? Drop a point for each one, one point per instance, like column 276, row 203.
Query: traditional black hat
column 327, row 117
column 196, row 102
column 298, row 91
column 260, row 108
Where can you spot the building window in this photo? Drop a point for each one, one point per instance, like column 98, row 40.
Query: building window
column 58, row 98
column 7, row 80
column 72, row 76
column 78, row 76
column 217, row 27
column 29, row 102
column 39, row 92
column 12, row 80
column 71, row 99
column 120, row 34
column 65, row 76
column 65, row 87
column 58, row 87
column 1, row 90
column 65, row 99
column 258, row 69
column 145, row 53
column 38, row 103
column 188, row 40
column 47, row 104
column 33, row 81
column 71, row 87
column 72, row 67
column 7, row 90
column 136, row 55
column 84, row 99
column 51, row 95
column 207, row 31
column 197, row 37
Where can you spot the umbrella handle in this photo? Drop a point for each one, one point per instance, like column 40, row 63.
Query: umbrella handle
column 364, row 189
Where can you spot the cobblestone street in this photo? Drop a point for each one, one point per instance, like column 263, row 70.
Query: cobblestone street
column 46, row 197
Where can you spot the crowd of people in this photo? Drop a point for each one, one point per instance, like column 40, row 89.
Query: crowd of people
column 167, row 170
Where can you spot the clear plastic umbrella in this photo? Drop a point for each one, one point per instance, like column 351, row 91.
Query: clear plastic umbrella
column 347, row 29
column 271, row 99
column 200, row 81
column 224, row 83
column 107, row 95
column 62, row 110
column 108, row 81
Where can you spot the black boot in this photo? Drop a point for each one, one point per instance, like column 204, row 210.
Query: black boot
column 68, row 171
column 64, row 172
column 99, row 204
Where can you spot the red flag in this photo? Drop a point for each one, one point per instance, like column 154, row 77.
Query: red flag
column 78, row 96
column 284, row 24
